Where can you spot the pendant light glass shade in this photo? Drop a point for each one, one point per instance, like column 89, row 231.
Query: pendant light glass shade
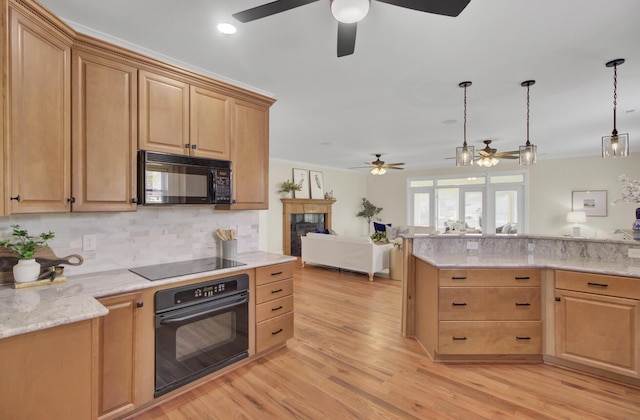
column 615, row 145
column 349, row 11
column 464, row 154
column 528, row 154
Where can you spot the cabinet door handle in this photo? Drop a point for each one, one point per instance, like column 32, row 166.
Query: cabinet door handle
column 194, row 146
column 277, row 273
column 523, row 304
column 523, row 278
column 276, row 291
column 458, row 304
column 139, row 304
column 134, row 200
column 557, row 299
column 17, row 198
column 71, row 200
column 277, row 332
column 597, row 284
column 523, row 338
column 187, row 145
column 458, row 278
column 459, row 338
column 277, row 308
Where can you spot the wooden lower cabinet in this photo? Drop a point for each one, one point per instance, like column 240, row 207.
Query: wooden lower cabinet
column 274, row 305
column 490, row 337
column 50, row 374
column 596, row 329
column 118, row 354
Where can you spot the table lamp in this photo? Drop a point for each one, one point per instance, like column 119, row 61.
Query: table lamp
column 576, row 217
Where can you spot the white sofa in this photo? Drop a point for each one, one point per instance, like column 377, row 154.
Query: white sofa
column 356, row 254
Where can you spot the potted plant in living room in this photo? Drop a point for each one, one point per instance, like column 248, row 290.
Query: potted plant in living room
column 369, row 211
column 25, row 245
column 289, row 187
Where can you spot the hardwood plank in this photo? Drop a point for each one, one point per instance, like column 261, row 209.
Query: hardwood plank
column 348, row 359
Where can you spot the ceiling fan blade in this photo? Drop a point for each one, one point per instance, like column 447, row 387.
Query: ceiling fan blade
column 346, row 38
column 393, row 167
column 269, row 9
column 394, row 164
column 439, row 7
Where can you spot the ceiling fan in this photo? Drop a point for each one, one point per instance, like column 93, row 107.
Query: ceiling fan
column 349, row 12
column 490, row 157
column 379, row 167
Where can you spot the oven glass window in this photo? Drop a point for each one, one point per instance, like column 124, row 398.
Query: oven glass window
column 205, row 335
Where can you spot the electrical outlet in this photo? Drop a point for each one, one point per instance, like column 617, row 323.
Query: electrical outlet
column 634, row 252
column 531, row 247
column 89, row 242
column 472, row 245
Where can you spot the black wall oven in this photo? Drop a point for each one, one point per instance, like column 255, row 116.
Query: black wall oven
column 199, row 329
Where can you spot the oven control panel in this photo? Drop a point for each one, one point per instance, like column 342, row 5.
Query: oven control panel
column 204, row 292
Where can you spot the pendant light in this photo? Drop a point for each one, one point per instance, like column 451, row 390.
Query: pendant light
column 464, row 154
column 615, row 145
column 529, row 152
column 349, row 11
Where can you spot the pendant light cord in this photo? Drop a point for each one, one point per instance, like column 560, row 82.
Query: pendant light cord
column 615, row 97
column 465, row 116
column 528, row 116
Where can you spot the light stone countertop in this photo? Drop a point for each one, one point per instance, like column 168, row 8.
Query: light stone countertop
column 37, row 308
column 588, row 265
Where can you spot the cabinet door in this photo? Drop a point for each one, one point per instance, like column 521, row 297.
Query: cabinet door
column 39, row 141
column 104, row 139
column 117, row 355
column 164, row 114
column 598, row 331
column 209, row 132
column 250, row 155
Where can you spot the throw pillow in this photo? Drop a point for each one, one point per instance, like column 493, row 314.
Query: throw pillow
column 380, row 227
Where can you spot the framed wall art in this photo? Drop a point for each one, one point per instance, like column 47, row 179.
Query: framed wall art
column 301, row 177
column 593, row 203
column 317, row 185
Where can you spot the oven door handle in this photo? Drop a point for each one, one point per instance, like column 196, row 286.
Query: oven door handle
column 169, row 321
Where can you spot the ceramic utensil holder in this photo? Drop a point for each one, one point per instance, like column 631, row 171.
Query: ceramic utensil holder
column 230, row 249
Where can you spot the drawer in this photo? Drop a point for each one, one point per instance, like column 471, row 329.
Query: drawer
column 273, row 308
column 489, row 303
column 274, row 331
column 599, row 284
column 487, row 337
column 271, row 273
column 274, row 290
column 490, row 277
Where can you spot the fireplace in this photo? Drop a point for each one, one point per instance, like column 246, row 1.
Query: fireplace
column 300, row 216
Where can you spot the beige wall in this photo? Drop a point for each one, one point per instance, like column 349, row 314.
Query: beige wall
column 551, row 182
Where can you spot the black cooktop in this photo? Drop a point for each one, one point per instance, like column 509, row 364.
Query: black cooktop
column 182, row 268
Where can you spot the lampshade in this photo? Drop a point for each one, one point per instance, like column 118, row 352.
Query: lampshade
column 464, row 154
column 528, row 154
column 488, row 161
column 577, row 217
column 349, row 11
column 378, row 171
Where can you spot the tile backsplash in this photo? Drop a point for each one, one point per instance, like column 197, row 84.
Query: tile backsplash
column 147, row 236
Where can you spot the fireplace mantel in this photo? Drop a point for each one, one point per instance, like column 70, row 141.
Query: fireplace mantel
column 302, row 206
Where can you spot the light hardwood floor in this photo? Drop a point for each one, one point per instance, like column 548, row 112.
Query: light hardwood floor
column 348, row 360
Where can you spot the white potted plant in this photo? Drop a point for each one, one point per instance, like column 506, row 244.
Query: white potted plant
column 27, row 269
column 287, row 187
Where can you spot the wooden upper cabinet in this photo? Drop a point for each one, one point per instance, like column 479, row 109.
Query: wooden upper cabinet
column 164, row 114
column 250, row 155
column 209, row 113
column 104, row 140
column 38, row 145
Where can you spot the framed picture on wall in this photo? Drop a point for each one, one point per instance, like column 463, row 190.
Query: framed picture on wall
column 317, row 185
column 301, row 177
column 593, row 203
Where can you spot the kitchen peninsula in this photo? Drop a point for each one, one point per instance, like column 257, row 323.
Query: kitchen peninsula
column 572, row 302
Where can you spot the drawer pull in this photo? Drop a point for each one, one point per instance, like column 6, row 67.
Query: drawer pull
column 523, row 338
column 277, row 332
column 597, row 284
column 523, row 304
column 277, row 308
column 276, row 291
column 277, row 273
column 458, row 278
column 459, row 338
column 523, row 278
column 458, row 304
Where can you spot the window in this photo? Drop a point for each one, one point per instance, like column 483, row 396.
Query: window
column 488, row 203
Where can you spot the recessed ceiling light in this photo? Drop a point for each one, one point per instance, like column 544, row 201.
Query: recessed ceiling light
column 227, row 28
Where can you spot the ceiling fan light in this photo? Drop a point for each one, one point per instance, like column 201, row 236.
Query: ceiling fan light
column 349, row 11
column 494, row 161
column 464, row 155
column 528, row 154
column 615, row 145
column 382, row 171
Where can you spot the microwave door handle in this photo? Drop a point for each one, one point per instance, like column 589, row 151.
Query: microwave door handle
column 170, row 321
column 212, row 185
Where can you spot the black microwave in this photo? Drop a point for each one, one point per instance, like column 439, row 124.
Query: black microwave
column 175, row 179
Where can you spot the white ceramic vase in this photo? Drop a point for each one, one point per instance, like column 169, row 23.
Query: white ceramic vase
column 26, row 271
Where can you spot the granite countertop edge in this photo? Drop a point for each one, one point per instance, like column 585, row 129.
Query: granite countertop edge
column 37, row 308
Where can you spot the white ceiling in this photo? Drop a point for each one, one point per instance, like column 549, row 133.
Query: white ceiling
column 398, row 94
